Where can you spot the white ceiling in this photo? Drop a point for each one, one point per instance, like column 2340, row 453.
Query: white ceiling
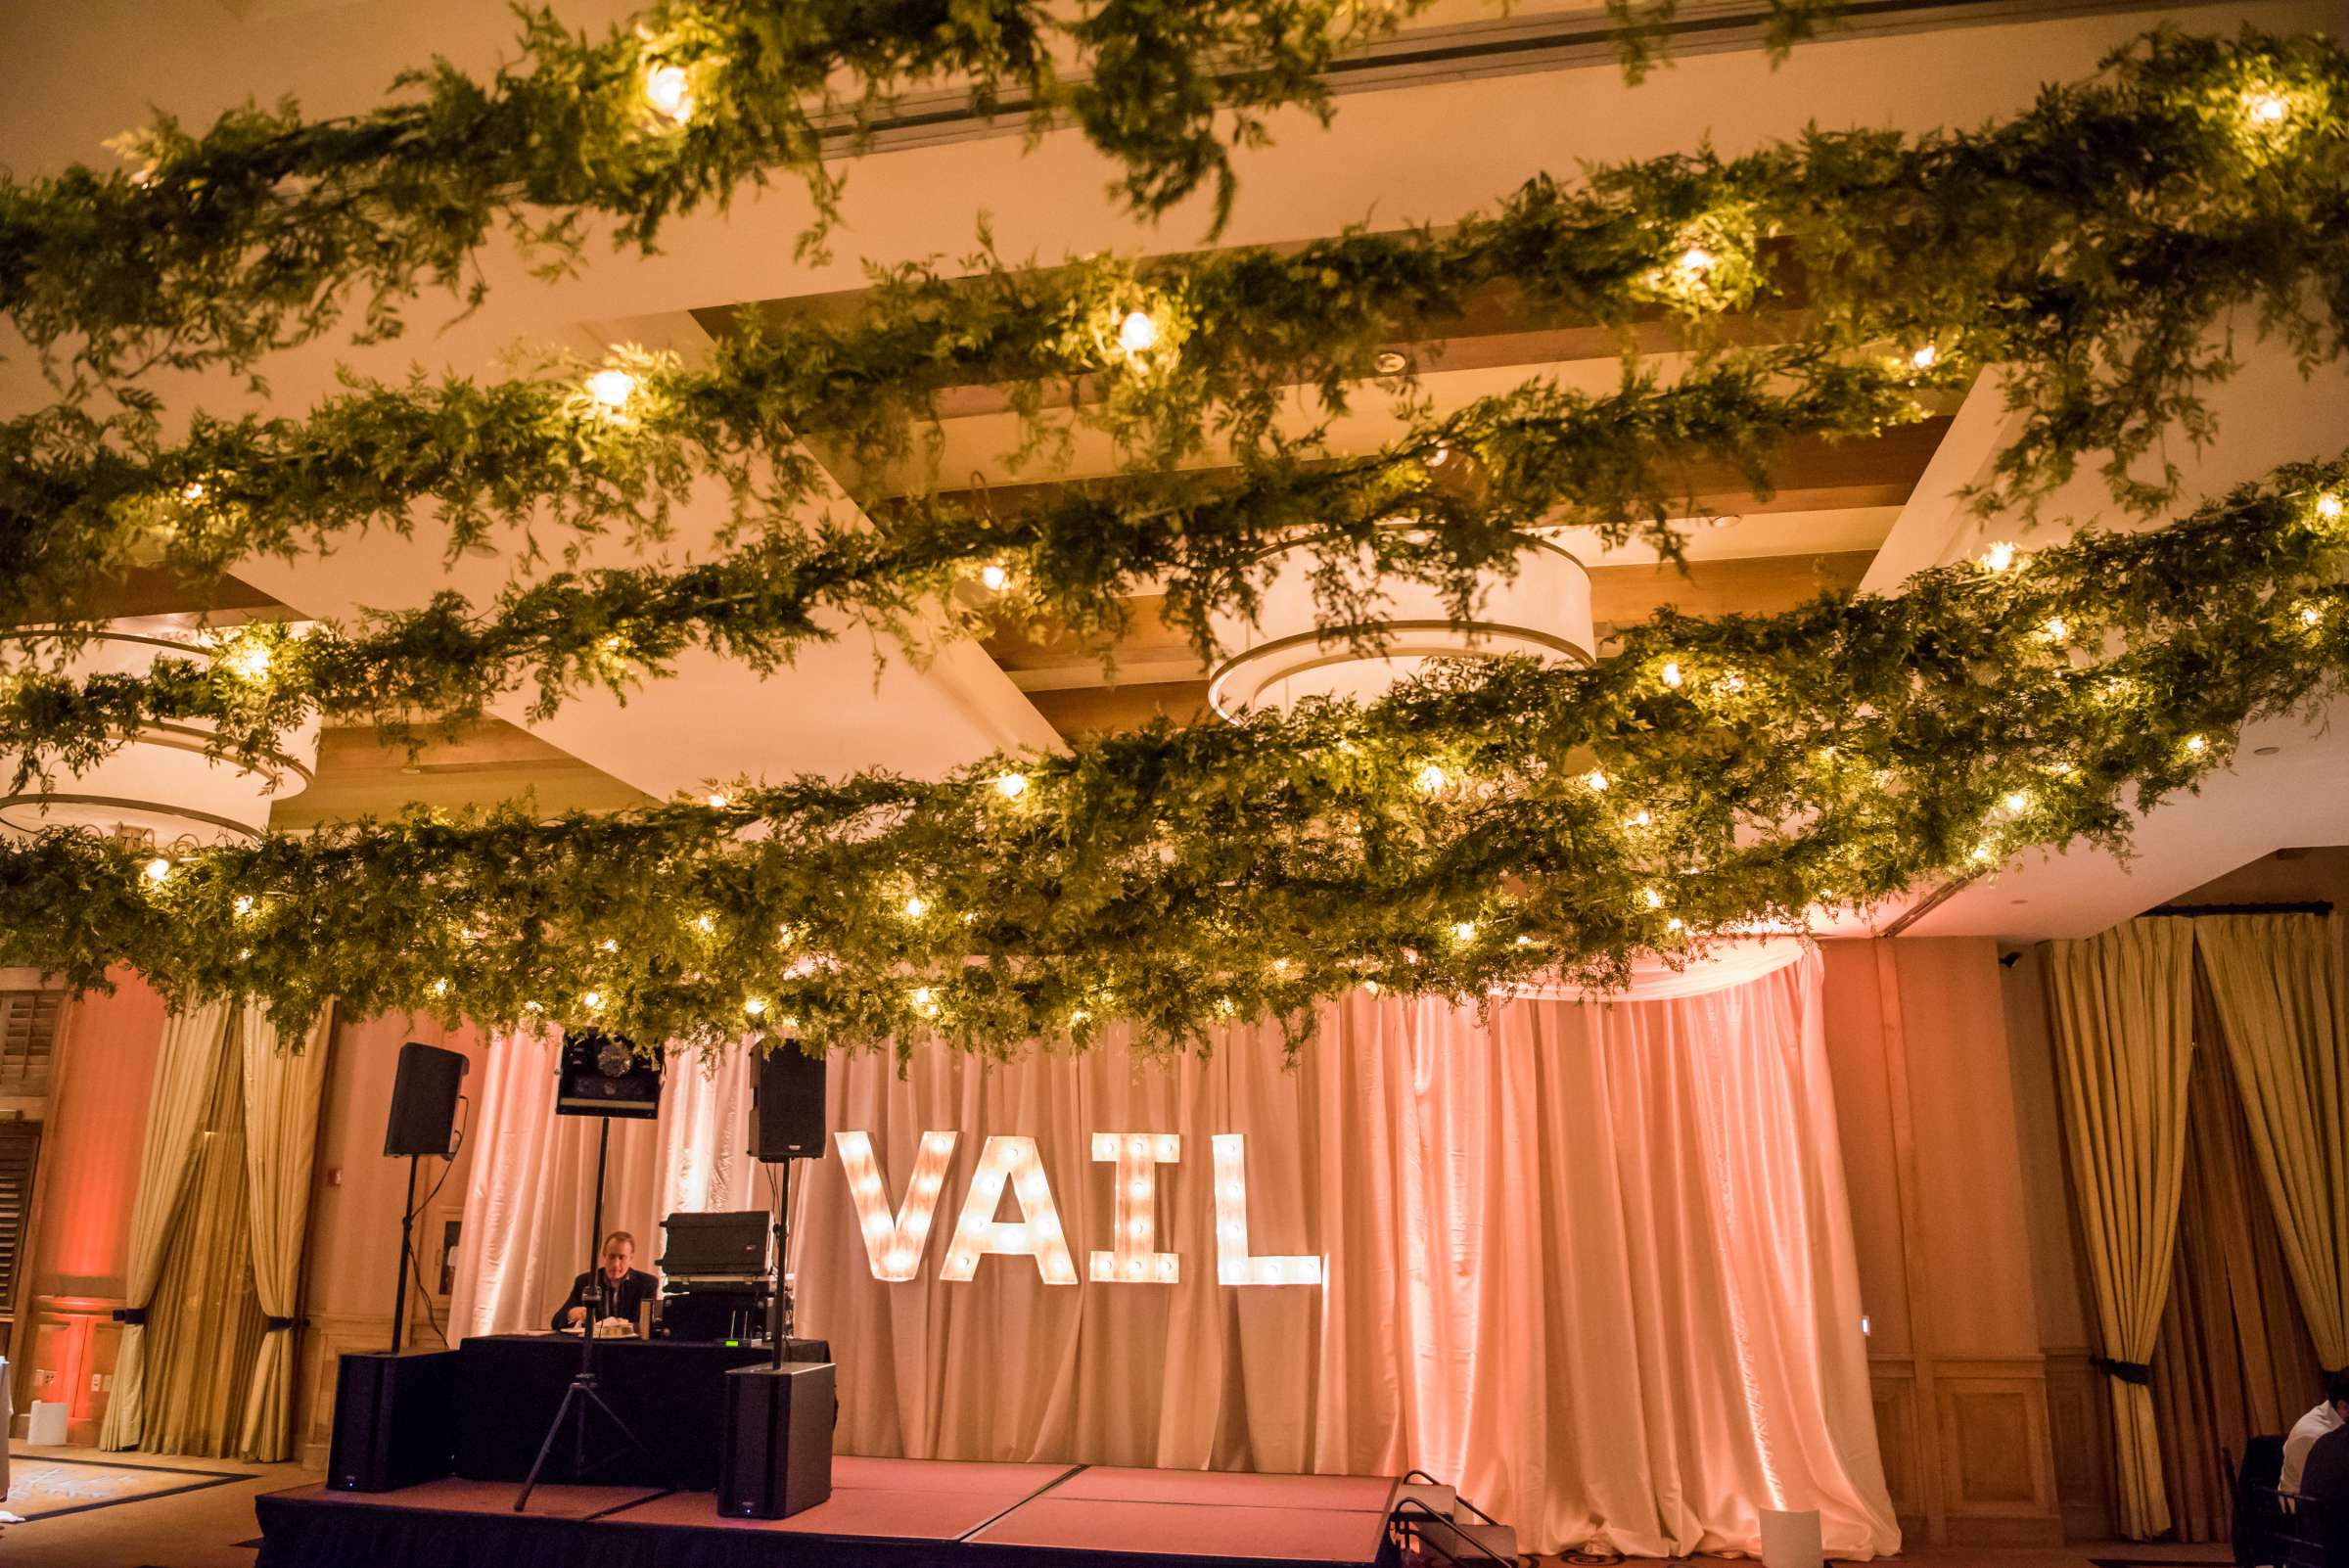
column 1426, row 151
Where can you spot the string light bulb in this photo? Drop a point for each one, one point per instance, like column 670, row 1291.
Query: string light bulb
column 611, row 389
column 242, row 906
column 2000, row 557
column 2057, row 629
column 915, row 908
column 1137, row 333
column 2196, row 745
column 1671, row 673
column 2310, row 615
column 1596, row 780
column 1638, row 818
column 753, row 1005
column 251, row 659
column 1464, row 930
column 593, row 1000
column 2329, row 507
column 994, row 577
column 1925, row 358
column 192, row 491
column 719, row 800
column 2268, row 109
column 1694, row 261
column 2017, row 801
column 1012, row 786
column 670, row 92
column 1431, row 778
column 157, row 869
column 1652, row 899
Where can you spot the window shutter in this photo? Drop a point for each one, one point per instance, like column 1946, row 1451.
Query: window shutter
column 19, row 1150
column 28, row 1040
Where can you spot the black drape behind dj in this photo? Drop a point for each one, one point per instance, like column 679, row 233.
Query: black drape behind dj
column 622, row 1300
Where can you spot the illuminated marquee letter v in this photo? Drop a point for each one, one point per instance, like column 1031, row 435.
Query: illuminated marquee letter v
column 894, row 1242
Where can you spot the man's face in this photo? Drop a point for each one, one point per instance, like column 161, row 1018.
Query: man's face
column 617, row 1258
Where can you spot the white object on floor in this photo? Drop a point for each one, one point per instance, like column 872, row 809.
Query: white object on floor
column 47, row 1428
column 1790, row 1539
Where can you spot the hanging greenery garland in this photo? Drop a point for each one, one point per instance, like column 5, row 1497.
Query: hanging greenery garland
column 1471, row 483
column 1479, row 828
column 264, row 230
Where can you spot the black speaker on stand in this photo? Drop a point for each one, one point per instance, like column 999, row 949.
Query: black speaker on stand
column 395, row 1409
column 777, row 1455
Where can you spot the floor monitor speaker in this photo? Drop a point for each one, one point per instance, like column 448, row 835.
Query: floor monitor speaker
column 395, row 1420
column 787, row 1105
column 777, row 1455
column 424, row 1101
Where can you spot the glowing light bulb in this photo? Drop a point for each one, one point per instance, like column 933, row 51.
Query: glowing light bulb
column 1524, row 941
column 1464, row 930
column 1595, row 779
column 1431, row 778
column 670, row 93
column 1638, row 818
column 611, row 389
column 1137, row 333
column 1673, row 923
column 2266, row 109
column 704, row 924
column 610, row 945
column 242, row 906
column 1652, row 899
column 2310, row 615
column 439, row 987
column 593, row 1000
column 2017, row 801
column 1925, row 358
column 2196, row 744
column 192, row 491
column 753, row 1005
column 157, row 869
column 1982, row 851
column 251, row 660
column 1671, row 673
column 1998, row 557
column 2056, row 629
column 994, row 577
column 1694, row 260
column 2329, row 507
column 1012, row 786
column 921, row 995
column 915, row 908
column 719, row 800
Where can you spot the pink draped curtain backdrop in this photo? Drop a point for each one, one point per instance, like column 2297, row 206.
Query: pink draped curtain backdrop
column 1591, row 1260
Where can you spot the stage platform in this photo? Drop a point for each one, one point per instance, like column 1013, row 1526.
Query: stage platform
column 883, row 1513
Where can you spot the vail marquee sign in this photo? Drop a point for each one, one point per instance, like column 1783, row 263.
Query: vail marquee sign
column 894, row 1242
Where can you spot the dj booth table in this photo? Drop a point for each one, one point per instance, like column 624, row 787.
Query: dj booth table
column 671, row 1392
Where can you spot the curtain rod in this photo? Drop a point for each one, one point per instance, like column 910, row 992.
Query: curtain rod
column 2313, row 908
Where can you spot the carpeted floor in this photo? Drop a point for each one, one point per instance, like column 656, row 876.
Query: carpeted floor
column 45, row 1488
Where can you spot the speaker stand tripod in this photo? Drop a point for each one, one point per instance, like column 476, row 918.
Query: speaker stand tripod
column 582, row 1397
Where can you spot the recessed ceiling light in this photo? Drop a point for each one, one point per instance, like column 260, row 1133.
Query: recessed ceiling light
column 2264, row 751
column 1725, row 521
column 1391, row 363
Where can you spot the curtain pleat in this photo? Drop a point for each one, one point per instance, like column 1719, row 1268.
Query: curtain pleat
column 282, row 1081
column 2233, row 1358
column 2121, row 1006
column 1591, row 1260
column 205, row 1326
column 175, row 1107
column 2278, row 994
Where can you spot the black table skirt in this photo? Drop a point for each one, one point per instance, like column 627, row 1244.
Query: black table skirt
column 669, row 1392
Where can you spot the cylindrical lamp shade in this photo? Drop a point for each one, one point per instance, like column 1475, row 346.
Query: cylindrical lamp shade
column 1284, row 657
column 161, row 782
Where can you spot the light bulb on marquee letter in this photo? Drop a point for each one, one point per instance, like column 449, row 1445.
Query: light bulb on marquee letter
column 894, row 1242
column 1133, row 1261
column 1035, row 1233
column 1233, row 1266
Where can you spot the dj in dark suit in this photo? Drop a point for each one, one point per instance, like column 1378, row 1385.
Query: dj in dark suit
column 625, row 1290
